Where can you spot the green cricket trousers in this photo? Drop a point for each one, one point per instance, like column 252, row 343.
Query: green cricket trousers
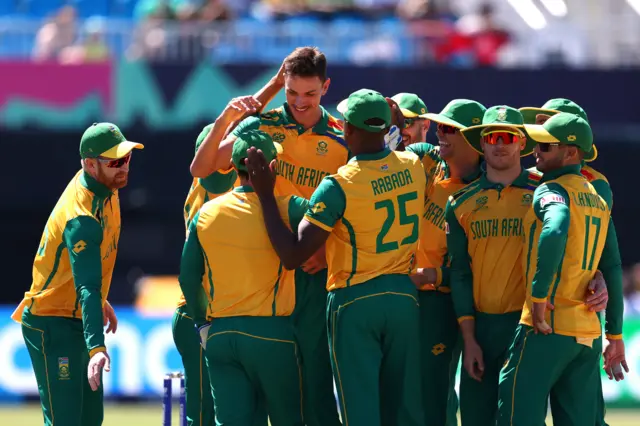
column 60, row 359
column 199, row 400
column 375, row 352
column 542, row 365
column 253, row 362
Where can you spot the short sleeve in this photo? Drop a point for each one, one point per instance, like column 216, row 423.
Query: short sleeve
column 297, row 208
column 327, row 204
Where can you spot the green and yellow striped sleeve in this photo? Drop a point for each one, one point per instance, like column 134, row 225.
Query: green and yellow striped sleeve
column 82, row 237
column 191, row 273
column 461, row 277
column 327, row 204
column 551, row 205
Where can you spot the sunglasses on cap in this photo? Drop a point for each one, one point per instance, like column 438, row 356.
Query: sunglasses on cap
column 115, row 163
column 446, row 129
column 508, row 137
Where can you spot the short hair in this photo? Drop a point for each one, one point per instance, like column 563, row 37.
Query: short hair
column 306, row 62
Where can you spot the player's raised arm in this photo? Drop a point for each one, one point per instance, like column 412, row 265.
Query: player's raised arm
column 215, row 151
column 293, row 250
column 191, row 272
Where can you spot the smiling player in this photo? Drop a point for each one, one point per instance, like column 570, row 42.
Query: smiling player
column 312, row 147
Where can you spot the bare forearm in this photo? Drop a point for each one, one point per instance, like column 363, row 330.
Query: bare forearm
column 268, row 92
column 282, row 239
column 205, row 161
column 468, row 330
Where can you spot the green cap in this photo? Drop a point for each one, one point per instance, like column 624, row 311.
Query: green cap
column 460, row 113
column 565, row 129
column 253, row 138
column 203, row 134
column 410, row 105
column 105, row 140
column 364, row 105
column 553, row 107
column 498, row 116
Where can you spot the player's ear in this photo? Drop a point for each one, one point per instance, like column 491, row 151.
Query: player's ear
column 325, row 86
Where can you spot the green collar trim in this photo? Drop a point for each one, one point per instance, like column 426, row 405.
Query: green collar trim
column 372, row 156
column 566, row 170
column 522, row 181
column 243, row 189
column 94, row 186
column 320, row 127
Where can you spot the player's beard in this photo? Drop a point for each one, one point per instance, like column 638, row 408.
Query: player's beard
column 116, row 181
column 549, row 163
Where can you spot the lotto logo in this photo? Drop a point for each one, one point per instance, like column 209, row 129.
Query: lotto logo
column 79, row 246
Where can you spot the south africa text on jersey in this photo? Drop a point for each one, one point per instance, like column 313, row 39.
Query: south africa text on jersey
column 304, row 176
column 506, row 227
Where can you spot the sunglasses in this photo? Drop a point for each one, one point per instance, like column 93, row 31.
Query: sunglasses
column 508, row 137
column 546, row 147
column 446, row 129
column 115, row 163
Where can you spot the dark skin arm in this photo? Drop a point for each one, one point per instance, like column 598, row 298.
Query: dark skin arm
column 293, row 250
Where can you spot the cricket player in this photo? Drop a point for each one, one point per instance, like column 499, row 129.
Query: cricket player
column 369, row 215
column 62, row 313
column 200, row 408
column 416, row 125
column 241, row 298
column 615, row 305
column 312, row 147
column 567, row 240
column 450, row 166
column 484, row 241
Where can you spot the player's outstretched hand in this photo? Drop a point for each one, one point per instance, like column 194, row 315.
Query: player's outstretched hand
column 109, row 318
column 597, row 295
column 614, row 360
column 539, row 323
column 241, row 107
column 472, row 360
column 261, row 174
column 98, row 362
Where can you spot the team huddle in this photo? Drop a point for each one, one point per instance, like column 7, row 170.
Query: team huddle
column 348, row 252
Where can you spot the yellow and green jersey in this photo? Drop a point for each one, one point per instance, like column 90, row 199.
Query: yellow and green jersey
column 435, row 168
column 203, row 190
column 566, row 234
column 307, row 155
column 207, row 189
column 610, row 263
column 485, row 242
column 229, row 267
column 372, row 207
column 74, row 263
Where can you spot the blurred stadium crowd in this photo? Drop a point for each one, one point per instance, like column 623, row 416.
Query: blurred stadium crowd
column 458, row 33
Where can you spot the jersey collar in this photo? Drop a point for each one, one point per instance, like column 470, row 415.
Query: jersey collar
column 566, row 170
column 371, row 157
column 94, row 186
column 243, row 189
column 319, row 128
column 522, row 181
